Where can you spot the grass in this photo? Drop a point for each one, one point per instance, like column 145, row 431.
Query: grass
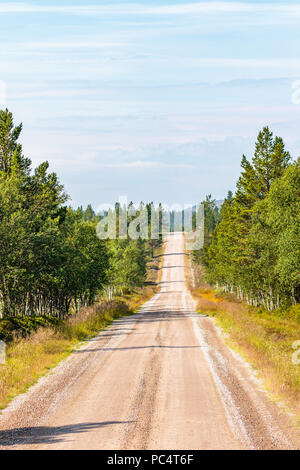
column 12, row 328
column 30, row 357
column 37, row 344
column 263, row 338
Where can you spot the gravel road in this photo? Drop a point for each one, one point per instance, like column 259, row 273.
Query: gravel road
column 162, row 379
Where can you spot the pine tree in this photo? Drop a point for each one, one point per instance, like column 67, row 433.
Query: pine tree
column 89, row 214
column 254, row 248
column 10, row 150
column 269, row 161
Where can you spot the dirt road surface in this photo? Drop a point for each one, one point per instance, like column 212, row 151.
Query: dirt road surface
column 162, row 379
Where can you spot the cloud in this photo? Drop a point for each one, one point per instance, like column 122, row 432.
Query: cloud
column 135, row 9
column 64, row 45
column 144, row 164
column 286, row 63
column 40, row 45
column 281, row 62
column 63, row 93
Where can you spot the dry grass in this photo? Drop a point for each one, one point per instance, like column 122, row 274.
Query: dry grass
column 30, row 357
column 265, row 339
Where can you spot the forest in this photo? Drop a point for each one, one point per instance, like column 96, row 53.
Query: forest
column 51, row 260
column 252, row 243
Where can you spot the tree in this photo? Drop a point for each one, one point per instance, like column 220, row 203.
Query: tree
column 254, row 249
column 269, row 161
column 89, row 214
column 50, row 258
column 211, row 217
column 275, row 239
column 10, row 150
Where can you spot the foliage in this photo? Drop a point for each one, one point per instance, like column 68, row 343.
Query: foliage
column 255, row 249
column 51, row 260
column 211, row 218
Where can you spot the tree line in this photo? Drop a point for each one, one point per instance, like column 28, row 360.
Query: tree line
column 51, row 260
column 252, row 244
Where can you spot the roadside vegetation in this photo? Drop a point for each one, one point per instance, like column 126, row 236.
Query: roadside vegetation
column 264, row 339
column 59, row 282
column 36, row 345
column 248, row 274
column 52, row 263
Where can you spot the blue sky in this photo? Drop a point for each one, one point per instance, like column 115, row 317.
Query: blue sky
column 155, row 100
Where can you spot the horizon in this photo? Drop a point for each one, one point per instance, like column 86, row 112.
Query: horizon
column 158, row 100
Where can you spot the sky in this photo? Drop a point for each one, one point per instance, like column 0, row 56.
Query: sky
column 156, row 100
